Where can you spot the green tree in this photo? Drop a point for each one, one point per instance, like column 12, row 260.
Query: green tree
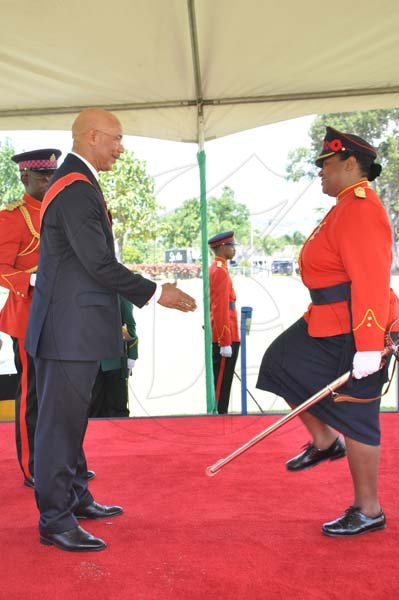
column 226, row 213
column 182, row 227
column 270, row 244
column 139, row 251
column 129, row 192
column 11, row 188
column 378, row 127
column 296, row 239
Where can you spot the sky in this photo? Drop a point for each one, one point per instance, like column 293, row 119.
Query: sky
column 252, row 163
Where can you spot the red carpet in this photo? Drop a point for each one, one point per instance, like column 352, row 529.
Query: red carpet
column 251, row 532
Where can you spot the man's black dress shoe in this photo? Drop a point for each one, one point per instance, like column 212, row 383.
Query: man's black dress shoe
column 354, row 522
column 90, row 475
column 98, row 511
column 311, row 456
column 74, row 540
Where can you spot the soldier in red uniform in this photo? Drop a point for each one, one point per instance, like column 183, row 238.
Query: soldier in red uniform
column 225, row 336
column 19, row 255
column 346, row 264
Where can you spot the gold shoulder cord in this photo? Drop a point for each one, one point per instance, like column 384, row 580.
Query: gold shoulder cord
column 34, row 243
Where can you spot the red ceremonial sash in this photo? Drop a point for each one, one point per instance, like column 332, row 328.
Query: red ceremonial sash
column 57, row 187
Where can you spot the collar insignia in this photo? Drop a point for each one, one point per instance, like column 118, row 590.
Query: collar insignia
column 360, row 192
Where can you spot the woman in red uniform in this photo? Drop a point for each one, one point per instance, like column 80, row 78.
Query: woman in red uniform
column 346, row 264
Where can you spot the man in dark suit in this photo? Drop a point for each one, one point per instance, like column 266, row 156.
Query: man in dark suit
column 75, row 322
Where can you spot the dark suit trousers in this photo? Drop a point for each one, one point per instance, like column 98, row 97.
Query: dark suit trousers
column 64, row 391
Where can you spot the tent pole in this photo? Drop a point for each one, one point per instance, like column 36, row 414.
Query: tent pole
column 201, row 157
column 210, row 390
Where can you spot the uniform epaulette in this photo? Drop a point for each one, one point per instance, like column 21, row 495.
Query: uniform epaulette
column 14, row 205
column 360, row 192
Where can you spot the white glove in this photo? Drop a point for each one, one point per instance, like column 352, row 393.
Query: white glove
column 226, row 351
column 130, row 363
column 366, row 363
column 32, row 280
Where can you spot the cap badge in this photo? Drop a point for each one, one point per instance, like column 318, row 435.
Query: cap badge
column 335, row 145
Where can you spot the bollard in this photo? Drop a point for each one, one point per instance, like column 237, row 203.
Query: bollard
column 246, row 316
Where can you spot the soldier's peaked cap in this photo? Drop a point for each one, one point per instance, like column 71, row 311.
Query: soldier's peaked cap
column 37, row 160
column 227, row 237
column 335, row 141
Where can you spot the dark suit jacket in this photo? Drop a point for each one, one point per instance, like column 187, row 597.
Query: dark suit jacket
column 75, row 313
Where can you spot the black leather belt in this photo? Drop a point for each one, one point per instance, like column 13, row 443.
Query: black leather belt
column 331, row 294
column 232, row 305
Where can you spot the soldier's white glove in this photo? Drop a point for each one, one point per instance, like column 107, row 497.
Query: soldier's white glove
column 130, row 363
column 32, row 280
column 366, row 363
column 226, row 351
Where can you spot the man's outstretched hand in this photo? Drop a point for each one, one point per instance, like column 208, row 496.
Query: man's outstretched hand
column 172, row 297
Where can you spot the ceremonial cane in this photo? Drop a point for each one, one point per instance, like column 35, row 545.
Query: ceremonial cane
column 328, row 389
column 215, row 468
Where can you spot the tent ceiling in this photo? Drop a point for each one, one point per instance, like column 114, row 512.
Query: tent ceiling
column 259, row 61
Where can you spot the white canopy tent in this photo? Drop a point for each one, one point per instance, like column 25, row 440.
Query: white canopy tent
column 193, row 70
column 154, row 62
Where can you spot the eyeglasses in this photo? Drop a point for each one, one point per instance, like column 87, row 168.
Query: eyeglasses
column 116, row 138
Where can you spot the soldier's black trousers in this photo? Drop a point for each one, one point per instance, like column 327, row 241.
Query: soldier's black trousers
column 25, row 407
column 223, row 373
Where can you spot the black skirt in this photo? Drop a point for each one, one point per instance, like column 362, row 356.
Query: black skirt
column 296, row 366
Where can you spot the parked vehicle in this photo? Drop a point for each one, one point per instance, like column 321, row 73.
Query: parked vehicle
column 282, row 267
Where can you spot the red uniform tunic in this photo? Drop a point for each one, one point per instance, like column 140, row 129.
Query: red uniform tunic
column 19, row 255
column 352, row 243
column 223, row 311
